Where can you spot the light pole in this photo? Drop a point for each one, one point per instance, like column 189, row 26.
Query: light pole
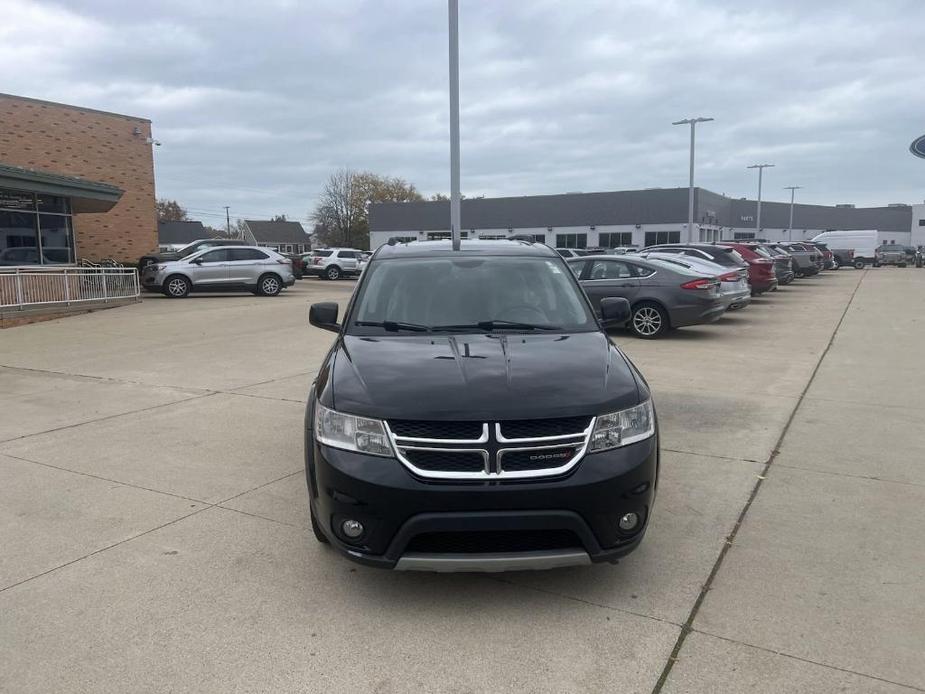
column 690, row 198
column 792, row 190
column 453, row 8
column 761, row 168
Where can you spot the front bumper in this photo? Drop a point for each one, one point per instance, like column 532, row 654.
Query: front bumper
column 395, row 508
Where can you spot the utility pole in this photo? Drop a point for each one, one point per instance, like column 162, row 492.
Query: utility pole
column 761, row 168
column 690, row 198
column 454, row 123
column 792, row 189
column 227, row 222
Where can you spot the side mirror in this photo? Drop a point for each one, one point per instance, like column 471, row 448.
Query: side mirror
column 324, row 316
column 196, row 261
column 614, row 310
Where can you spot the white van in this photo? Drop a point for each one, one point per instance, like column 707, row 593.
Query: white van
column 863, row 242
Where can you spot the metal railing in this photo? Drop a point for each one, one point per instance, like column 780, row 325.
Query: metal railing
column 36, row 286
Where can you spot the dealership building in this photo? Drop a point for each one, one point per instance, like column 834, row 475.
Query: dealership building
column 638, row 218
column 74, row 183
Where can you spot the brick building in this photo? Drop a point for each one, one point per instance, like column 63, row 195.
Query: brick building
column 74, row 183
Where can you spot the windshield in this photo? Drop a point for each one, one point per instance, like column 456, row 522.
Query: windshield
column 468, row 293
column 322, row 254
column 762, row 251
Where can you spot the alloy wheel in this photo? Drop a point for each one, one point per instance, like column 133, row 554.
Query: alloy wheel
column 177, row 287
column 333, row 273
column 647, row 321
column 270, row 286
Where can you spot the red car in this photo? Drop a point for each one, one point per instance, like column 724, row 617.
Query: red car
column 761, row 275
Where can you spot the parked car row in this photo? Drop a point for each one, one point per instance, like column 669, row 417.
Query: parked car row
column 676, row 285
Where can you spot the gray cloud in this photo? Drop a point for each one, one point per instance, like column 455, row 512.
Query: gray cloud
column 256, row 103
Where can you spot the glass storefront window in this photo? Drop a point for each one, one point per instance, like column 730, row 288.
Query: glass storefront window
column 18, row 238
column 56, row 239
column 53, row 203
column 29, row 238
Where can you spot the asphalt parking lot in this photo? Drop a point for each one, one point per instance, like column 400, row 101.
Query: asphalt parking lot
column 154, row 525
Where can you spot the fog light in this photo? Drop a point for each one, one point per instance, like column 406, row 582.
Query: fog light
column 628, row 521
column 354, row 528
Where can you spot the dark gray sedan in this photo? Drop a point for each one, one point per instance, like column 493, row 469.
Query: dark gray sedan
column 661, row 295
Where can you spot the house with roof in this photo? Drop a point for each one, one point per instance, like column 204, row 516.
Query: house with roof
column 282, row 236
column 174, row 235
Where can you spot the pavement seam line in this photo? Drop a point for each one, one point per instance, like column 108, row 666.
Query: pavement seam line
column 590, row 603
column 849, row 475
column 102, row 479
column 713, row 455
column 687, row 627
column 807, row 660
column 106, row 548
column 106, row 418
column 257, row 515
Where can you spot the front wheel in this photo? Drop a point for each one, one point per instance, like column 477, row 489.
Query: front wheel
column 269, row 285
column 649, row 321
column 176, row 287
column 332, row 273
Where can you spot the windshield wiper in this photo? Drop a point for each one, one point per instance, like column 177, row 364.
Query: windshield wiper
column 490, row 325
column 394, row 326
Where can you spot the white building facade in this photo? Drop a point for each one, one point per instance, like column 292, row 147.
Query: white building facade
column 638, row 218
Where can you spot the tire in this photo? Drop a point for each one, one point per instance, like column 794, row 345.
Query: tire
column 176, row 287
column 835, row 264
column 269, row 285
column 858, row 264
column 332, row 272
column 902, row 265
column 649, row 320
column 316, row 530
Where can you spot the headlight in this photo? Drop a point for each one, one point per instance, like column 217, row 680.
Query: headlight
column 350, row 432
column 624, row 427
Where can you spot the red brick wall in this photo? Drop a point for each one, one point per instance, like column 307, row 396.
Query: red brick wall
column 96, row 146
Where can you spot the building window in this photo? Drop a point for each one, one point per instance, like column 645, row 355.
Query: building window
column 655, row 238
column 615, row 239
column 30, row 238
column 537, row 238
column 922, row 222
column 403, row 239
column 571, row 240
column 743, row 235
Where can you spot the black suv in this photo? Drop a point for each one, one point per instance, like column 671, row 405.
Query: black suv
column 186, row 250
column 473, row 415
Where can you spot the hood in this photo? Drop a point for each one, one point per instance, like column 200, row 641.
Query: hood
column 482, row 376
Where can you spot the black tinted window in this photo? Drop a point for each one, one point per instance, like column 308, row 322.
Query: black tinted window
column 246, row 254
column 609, row 270
column 346, row 254
column 219, row 255
column 321, row 254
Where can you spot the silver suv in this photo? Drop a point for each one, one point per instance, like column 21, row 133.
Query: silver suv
column 238, row 268
column 334, row 263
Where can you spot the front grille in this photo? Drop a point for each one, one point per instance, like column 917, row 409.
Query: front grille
column 445, row 461
column 487, row 541
column 538, row 428
column 536, row 459
column 468, row 450
column 436, row 430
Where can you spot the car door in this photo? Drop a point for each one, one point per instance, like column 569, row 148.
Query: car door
column 603, row 277
column 245, row 265
column 210, row 268
column 347, row 261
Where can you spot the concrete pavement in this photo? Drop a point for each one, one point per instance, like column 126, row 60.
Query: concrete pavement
column 153, row 515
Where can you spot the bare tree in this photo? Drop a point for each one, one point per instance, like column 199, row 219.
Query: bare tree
column 341, row 216
column 170, row 211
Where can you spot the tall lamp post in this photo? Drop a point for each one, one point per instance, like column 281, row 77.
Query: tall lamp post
column 690, row 198
column 761, row 168
column 792, row 190
column 453, row 8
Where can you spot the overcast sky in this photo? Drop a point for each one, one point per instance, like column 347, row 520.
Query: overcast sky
column 256, row 103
